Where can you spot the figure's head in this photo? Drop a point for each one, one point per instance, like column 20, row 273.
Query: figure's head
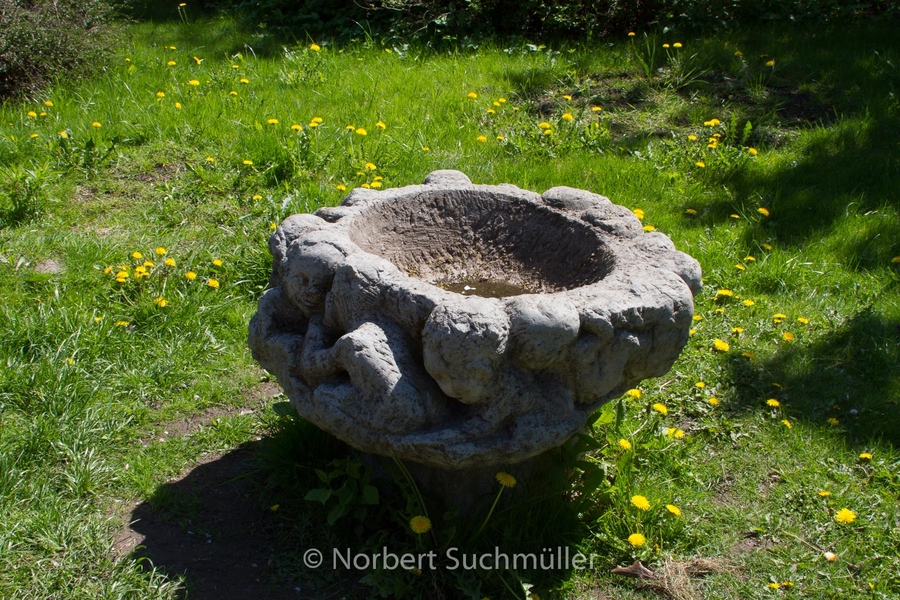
column 463, row 345
column 309, row 269
column 290, row 229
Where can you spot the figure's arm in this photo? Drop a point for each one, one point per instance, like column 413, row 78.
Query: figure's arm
column 317, row 361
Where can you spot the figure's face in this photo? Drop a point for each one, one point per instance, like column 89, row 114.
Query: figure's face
column 307, row 281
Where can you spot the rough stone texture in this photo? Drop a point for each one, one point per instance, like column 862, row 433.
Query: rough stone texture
column 369, row 345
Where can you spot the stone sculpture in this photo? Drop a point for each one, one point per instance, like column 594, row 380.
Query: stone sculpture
column 363, row 332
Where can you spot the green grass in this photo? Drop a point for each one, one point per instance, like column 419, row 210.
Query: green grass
column 96, row 371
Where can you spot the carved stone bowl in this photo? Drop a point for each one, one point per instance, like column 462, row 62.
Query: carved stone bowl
column 462, row 326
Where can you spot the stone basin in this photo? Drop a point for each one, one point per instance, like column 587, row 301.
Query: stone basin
column 374, row 326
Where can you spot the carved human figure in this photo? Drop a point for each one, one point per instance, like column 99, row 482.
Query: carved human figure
column 370, row 371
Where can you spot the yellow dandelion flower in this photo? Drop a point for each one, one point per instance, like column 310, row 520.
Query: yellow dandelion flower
column 630, row 34
column 740, row 267
column 567, row 117
column 107, row 270
column 32, row 114
column 640, row 502
column 692, row 331
column 724, row 293
column 64, row 134
column 178, row 106
column 895, row 260
column 491, row 111
column 673, row 509
column 420, row 524
column 273, row 226
column 257, row 197
column 341, row 187
column 713, row 401
column 472, row 95
column 700, row 385
column 624, row 444
column 544, row 125
column 660, row 408
column 217, row 262
column 361, row 131
column 788, row 336
column 170, row 63
column 170, row 262
column 753, row 151
column 161, row 302
column 148, row 264
column 97, row 319
column 634, row 393
column 190, row 275
column 649, row 228
column 315, row 47
column 770, row 63
column 193, row 82
column 803, row 320
column 249, row 163
column 774, row 585
column 482, row 138
column 505, row 479
column 500, row 138
column 122, row 275
column 137, row 255
column 244, row 80
column 786, row 423
column 698, row 317
column 665, row 45
column 720, row 345
column 210, row 160
column 749, row 258
column 96, row 125
column 824, row 493
column 763, row 211
column 639, row 213
column 376, row 184
column 381, row 125
column 748, row 302
column 370, row 166
column 122, row 323
column 737, row 330
column 272, row 121
column 213, row 283
column 845, row 515
column 426, row 149
column 773, row 403
column 636, row 539
column 198, row 60
column 676, row 45
column 833, row 421
column 33, row 135
column 712, row 122
column 596, row 108
column 691, row 211
column 296, row 127
column 160, row 251
column 700, row 164
column 865, row 456
column 232, row 93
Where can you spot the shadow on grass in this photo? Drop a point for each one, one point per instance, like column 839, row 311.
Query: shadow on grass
column 237, row 526
column 851, row 374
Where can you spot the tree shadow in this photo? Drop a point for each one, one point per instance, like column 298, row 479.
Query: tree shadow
column 852, row 374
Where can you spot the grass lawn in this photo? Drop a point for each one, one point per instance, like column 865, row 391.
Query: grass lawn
column 134, row 212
